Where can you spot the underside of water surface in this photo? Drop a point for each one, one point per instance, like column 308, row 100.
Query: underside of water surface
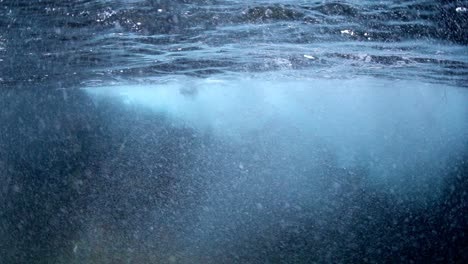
column 216, row 131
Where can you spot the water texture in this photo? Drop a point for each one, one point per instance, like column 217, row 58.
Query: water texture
column 210, row 131
column 54, row 41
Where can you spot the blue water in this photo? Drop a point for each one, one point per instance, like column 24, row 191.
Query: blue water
column 237, row 132
column 98, row 41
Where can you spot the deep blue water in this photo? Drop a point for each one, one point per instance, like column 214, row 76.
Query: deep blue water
column 208, row 131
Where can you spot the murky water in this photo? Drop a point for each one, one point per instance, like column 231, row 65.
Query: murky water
column 226, row 131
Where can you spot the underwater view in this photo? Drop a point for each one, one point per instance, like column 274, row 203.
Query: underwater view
column 229, row 131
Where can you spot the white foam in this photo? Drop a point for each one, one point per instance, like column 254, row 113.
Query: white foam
column 392, row 122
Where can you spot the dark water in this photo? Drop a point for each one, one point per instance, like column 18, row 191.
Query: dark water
column 233, row 132
column 68, row 43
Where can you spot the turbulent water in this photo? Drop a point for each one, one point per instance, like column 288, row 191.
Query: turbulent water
column 216, row 131
column 70, row 43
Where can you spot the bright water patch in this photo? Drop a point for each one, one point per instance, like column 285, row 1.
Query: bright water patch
column 393, row 124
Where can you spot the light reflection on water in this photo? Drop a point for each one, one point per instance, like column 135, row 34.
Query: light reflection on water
column 392, row 120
